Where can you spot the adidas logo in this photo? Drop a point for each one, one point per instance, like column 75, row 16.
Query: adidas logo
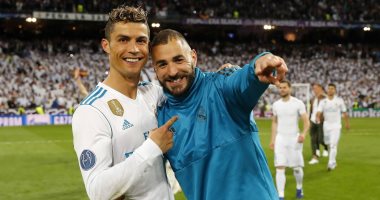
column 126, row 124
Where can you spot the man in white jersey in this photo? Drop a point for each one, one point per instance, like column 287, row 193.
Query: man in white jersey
column 116, row 138
column 316, row 130
column 332, row 108
column 286, row 140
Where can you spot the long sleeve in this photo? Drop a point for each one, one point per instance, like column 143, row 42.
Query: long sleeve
column 243, row 88
column 92, row 135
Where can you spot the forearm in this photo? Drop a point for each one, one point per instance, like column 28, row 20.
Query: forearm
column 274, row 132
column 346, row 118
column 306, row 128
column 112, row 182
column 242, row 88
column 82, row 89
column 306, row 125
column 103, row 178
column 318, row 118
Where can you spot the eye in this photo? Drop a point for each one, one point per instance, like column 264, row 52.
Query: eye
column 179, row 60
column 142, row 41
column 161, row 65
column 123, row 40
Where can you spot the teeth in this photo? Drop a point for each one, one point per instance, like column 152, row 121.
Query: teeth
column 131, row 59
column 176, row 80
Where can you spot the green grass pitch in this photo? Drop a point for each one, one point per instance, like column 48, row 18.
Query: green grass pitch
column 39, row 163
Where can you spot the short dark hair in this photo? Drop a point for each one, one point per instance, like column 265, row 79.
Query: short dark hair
column 125, row 14
column 317, row 84
column 164, row 36
column 332, row 85
column 287, row 82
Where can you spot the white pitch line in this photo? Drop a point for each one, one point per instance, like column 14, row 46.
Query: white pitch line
column 360, row 134
column 35, row 142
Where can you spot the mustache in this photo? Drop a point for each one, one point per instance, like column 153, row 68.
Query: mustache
column 177, row 76
column 181, row 74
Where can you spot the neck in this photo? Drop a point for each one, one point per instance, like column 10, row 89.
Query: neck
column 320, row 96
column 124, row 85
column 286, row 98
column 331, row 97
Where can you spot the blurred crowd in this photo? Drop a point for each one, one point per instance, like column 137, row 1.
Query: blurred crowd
column 340, row 10
column 353, row 68
column 41, row 73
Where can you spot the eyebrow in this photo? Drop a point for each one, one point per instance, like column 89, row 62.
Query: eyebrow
column 129, row 37
column 174, row 58
column 142, row 37
column 122, row 36
column 160, row 62
column 177, row 57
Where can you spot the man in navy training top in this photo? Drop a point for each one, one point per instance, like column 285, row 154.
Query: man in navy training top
column 217, row 152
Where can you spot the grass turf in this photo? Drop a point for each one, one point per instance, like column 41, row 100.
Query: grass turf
column 39, row 163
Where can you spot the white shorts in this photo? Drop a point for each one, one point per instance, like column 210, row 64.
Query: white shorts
column 288, row 152
column 331, row 135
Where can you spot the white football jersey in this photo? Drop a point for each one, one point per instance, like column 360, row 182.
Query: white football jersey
column 332, row 111
column 115, row 155
column 288, row 113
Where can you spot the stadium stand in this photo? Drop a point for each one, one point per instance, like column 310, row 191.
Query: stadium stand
column 40, row 73
column 353, row 10
column 37, row 59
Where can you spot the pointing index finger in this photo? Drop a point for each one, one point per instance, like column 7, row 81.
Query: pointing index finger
column 170, row 122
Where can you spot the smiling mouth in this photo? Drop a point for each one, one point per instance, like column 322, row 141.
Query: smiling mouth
column 176, row 80
column 132, row 60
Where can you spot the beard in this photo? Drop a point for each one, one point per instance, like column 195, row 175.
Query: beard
column 283, row 95
column 181, row 89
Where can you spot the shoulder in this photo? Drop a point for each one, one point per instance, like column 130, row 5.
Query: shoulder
column 323, row 101
column 84, row 111
column 151, row 92
column 228, row 71
column 95, row 96
column 144, row 83
column 276, row 103
column 88, row 116
column 323, row 96
column 297, row 101
column 339, row 99
column 147, row 87
column 96, row 102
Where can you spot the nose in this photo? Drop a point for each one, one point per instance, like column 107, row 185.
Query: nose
column 133, row 48
column 172, row 70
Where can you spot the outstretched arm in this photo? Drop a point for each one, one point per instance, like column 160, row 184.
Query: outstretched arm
column 243, row 87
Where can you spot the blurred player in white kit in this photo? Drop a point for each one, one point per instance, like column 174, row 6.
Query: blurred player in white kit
column 286, row 140
column 332, row 109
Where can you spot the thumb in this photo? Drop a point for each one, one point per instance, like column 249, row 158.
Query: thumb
column 170, row 122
